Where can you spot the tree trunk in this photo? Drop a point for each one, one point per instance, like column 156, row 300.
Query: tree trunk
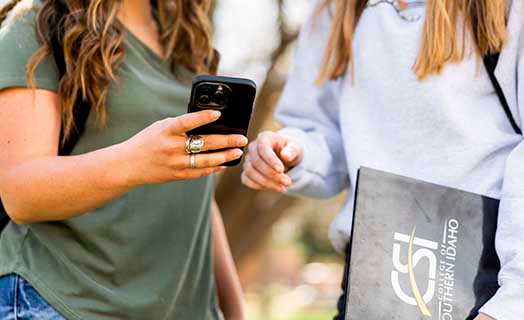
column 250, row 214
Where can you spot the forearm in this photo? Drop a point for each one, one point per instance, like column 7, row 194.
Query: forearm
column 58, row 188
column 507, row 302
column 227, row 281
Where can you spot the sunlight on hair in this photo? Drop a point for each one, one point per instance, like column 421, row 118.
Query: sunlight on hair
column 447, row 26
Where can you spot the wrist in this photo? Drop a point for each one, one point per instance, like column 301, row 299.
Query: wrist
column 121, row 168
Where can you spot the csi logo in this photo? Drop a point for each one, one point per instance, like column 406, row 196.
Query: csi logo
column 418, row 250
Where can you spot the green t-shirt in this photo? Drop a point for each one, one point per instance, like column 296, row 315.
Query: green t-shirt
column 147, row 254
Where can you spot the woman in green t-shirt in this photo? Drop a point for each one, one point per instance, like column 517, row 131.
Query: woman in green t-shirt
column 121, row 228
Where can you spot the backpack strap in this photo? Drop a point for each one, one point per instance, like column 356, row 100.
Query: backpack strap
column 490, row 62
column 81, row 109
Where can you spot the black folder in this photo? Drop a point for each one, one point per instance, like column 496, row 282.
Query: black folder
column 419, row 250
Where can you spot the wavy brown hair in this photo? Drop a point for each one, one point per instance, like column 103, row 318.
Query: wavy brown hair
column 92, row 42
column 447, row 21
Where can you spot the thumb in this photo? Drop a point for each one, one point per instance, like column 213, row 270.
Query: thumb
column 290, row 153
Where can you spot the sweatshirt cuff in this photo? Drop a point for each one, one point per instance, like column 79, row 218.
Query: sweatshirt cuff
column 507, row 303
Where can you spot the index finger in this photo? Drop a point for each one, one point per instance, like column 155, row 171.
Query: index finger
column 266, row 152
column 189, row 121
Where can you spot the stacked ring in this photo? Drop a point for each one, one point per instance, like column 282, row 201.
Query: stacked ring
column 192, row 161
column 194, row 144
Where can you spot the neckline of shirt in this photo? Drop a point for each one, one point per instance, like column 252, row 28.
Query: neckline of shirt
column 402, row 8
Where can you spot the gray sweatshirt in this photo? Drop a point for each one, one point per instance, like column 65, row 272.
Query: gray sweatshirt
column 449, row 129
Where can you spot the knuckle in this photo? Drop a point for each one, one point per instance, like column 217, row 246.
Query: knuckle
column 163, row 122
column 208, row 142
column 177, row 163
column 158, row 123
column 246, row 182
column 263, row 180
column 257, row 164
column 231, row 141
column 257, row 180
column 178, row 124
column 255, row 177
column 161, row 125
column 206, row 162
column 264, row 134
column 261, row 148
column 201, row 173
column 168, row 147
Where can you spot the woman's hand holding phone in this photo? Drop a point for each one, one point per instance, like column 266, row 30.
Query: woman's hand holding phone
column 269, row 157
column 157, row 153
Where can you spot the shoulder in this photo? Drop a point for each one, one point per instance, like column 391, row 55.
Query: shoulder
column 20, row 22
column 318, row 24
column 18, row 43
column 514, row 47
column 516, row 19
column 314, row 35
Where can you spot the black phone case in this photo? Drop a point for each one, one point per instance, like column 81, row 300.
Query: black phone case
column 236, row 113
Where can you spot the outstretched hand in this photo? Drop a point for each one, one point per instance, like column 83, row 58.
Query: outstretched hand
column 270, row 156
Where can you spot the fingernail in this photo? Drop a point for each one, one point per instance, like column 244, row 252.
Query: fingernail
column 223, row 167
column 215, row 114
column 279, row 167
column 290, row 154
column 238, row 152
column 242, row 141
column 286, row 180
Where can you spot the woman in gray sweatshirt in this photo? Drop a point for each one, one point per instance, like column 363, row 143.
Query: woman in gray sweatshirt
column 405, row 91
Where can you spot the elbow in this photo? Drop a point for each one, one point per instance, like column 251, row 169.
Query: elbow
column 13, row 204
column 20, row 222
column 17, row 214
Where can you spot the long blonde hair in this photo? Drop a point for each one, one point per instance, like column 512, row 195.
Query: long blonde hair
column 93, row 46
column 483, row 20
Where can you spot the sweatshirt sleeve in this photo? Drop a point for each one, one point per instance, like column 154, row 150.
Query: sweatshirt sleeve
column 508, row 302
column 309, row 113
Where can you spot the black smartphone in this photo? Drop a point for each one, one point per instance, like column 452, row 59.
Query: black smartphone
column 233, row 97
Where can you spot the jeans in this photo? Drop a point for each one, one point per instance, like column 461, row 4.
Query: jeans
column 20, row 301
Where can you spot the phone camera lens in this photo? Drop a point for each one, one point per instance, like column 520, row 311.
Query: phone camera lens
column 203, row 99
column 220, row 98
